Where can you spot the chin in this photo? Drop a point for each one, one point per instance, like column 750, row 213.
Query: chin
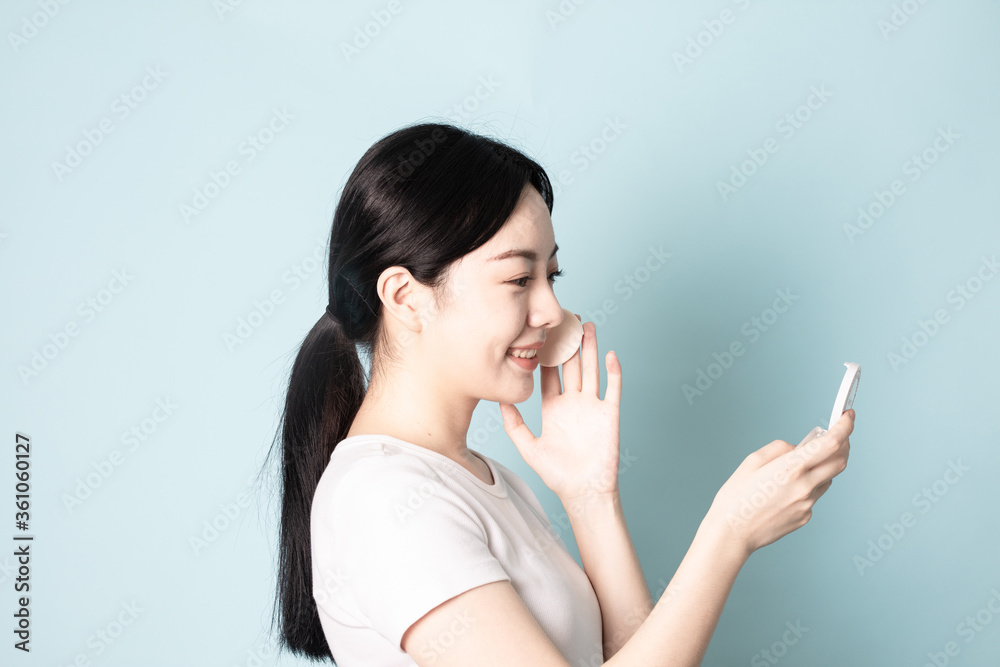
column 521, row 395
column 514, row 394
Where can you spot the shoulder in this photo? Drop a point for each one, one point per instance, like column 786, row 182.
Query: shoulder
column 368, row 471
column 366, row 485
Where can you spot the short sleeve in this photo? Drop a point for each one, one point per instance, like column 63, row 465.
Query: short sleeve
column 406, row 542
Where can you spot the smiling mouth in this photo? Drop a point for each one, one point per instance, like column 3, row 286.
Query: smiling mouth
column 523, row 354
column 524, row 363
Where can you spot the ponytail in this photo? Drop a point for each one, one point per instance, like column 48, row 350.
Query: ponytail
column 324, row 393
column 422, row 198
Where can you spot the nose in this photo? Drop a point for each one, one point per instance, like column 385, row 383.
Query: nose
column 549, row 313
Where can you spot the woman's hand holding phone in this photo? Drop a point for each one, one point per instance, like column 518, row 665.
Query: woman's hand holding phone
column 773, row 490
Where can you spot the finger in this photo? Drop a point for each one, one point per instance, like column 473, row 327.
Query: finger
column 823, row 447
column 820, row 490
column 613, row 394
column 550, row 381
column 514, row 424
column 591, row 371
column 832, row 466
column 845, row 424
column 571, row 369
column 766, row 454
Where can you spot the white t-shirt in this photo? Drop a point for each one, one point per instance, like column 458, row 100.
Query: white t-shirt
column 398, row 529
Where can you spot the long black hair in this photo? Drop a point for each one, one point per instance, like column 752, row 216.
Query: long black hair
column 421, row 198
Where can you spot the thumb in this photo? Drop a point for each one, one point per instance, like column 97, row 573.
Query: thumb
column 844, row 426
column 813, row 450
column 515, row 427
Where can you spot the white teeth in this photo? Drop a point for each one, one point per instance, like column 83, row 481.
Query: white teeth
column 523, row 354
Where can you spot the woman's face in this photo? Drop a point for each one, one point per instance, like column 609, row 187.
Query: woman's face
column 498, row 297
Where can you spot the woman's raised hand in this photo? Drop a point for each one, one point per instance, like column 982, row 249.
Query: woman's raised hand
column 577, row 453
column 772, row 492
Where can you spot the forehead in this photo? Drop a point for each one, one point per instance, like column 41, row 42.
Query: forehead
column 529, row 228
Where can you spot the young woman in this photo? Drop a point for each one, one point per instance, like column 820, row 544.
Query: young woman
column 400, row 545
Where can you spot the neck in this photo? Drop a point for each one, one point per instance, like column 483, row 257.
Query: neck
column 419, row 413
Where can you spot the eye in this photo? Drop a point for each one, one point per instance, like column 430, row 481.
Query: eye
column 522, row 282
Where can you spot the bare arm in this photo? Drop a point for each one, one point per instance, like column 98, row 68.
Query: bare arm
column 610, row 561
column 489, row 625
column 678, row 630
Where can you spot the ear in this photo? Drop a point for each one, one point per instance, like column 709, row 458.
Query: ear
column 403, row 297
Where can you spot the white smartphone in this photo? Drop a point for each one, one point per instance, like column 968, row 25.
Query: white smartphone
column 848, row 389
column 845, row 399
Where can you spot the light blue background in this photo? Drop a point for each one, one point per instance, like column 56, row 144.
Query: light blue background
column 553, row 87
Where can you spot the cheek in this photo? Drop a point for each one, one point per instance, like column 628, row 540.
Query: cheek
column 491, row 324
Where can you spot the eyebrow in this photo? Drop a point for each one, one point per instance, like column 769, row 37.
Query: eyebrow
column 526, row 253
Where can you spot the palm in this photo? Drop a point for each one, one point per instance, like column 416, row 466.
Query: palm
column 577, row 451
